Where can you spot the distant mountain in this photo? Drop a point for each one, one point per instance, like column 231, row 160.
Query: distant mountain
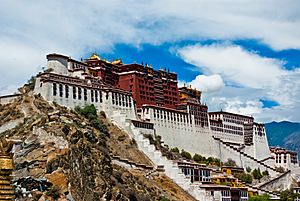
column 284, row 134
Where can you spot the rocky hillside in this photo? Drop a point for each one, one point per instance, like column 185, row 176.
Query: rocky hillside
column 68, row 155
column 285, row 134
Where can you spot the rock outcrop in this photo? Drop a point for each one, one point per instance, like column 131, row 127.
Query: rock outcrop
column 64, row 157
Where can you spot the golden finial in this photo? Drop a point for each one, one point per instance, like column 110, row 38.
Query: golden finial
column 94, row 57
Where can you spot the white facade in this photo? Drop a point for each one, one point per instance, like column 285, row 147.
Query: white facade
column 285, row 158
column 69, row 85
column 178, row 129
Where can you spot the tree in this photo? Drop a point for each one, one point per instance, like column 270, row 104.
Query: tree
column 264, row 197
column 198, row 158
column 217, row 162
column 230, row 162
column 209, row 160
column 31, row 82
column 287, row 195
column 90, row 112
column 244, row 177
column 175, row 150
column 257, row 174
column 265, row 173
column 279, row 169
column 248, row 169
column 186, row 154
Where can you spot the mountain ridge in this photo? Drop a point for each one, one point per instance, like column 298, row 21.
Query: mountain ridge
column 285, row 134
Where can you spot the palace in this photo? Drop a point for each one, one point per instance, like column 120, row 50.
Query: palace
column 142, row 100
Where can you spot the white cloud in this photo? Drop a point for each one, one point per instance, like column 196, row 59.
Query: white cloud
column 234, row 63
column 31, row 29
column 253, row 77
column 207, row 83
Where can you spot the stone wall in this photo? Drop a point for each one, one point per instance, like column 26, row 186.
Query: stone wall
column 8, row 98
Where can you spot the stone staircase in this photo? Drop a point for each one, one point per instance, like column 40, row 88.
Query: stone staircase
column 132, row 163
column 261, row 190
column 246, row 155
column 262, row 185
column 161, row 162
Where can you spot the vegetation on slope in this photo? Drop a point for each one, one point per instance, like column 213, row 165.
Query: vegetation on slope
column 67, row 155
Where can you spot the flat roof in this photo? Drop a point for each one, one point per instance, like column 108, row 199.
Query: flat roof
column 10, row 95
column 234, row 114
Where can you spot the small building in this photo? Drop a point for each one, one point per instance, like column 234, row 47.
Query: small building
column 224, row 179
column 214, row 192
column 8, row 98
column 285, row 158
column 197, row 172
column 239, row 193
column 231, row 170
column 297, row 192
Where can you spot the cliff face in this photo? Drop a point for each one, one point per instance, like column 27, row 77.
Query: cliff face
column 64, row 157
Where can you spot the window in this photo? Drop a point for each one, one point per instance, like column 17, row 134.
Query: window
column 54, row 89
column 85, row 94
column 67, row 91
column 96, row 95
column 60, row 90
column 79, row 93
column 117, row 99
column 92, row 95
column 74, row 92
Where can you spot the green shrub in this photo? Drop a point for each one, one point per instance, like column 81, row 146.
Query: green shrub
column 257, row 174
column 31, row 82
column 198, row 158
column 245, row 177
column 248, row 169
column 186, row 154
column 288, row 195
column 163, row 199
column 217, row 162
column 264, row 197
column 53, row 192
column 230, row 162
column 280, row 169
column 175, row 150
column 265, row 173
column 90, row 112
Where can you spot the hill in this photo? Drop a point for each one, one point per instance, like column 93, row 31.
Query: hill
column 285, row 134
column 77, row 155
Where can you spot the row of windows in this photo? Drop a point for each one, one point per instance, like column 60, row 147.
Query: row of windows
column 225, row 193
column 121, row 100
column 241, row 119
column 216, row 128
column 78, row 92
column 233, row 127
column 233, row 132
column 171, row 116
column 143, row 125
column 234, row 121
column 196, row 174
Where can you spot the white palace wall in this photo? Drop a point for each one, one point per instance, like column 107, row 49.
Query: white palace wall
column 112, row 103
column 178, row 129
column 261, row 147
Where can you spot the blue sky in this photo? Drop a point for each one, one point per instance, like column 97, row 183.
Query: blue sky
column 243, row 55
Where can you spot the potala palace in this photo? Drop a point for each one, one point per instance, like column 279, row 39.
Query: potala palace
column 142, row 100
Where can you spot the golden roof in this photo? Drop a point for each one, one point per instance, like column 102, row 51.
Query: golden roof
column 94, row 57
column 117, row 61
